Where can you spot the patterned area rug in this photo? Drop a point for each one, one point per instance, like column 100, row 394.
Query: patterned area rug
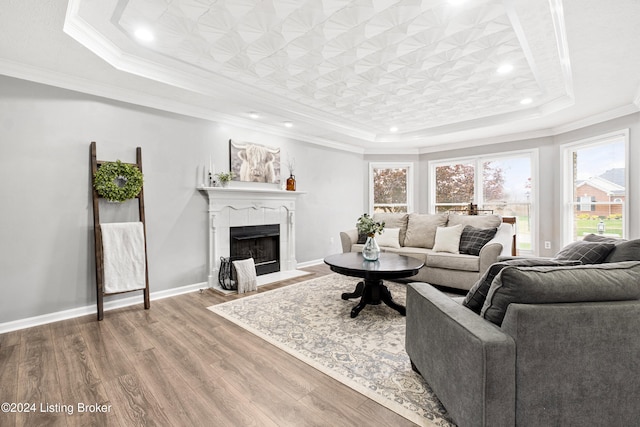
column 310, row 321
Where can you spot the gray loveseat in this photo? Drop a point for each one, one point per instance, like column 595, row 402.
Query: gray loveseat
column 562, row 347
column 417, row 234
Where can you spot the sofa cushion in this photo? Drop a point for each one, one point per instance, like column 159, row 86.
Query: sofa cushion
column 393, row 220
column 546, row 285
column 586, row 252
column 478, row 221
column 475, row 298
column 624, row 250
column 449, row 261
column 448, row 239
column 389, row 238
column 421, row 229
column 473, row 239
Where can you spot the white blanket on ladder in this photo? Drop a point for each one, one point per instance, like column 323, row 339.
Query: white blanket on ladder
column 124, row 257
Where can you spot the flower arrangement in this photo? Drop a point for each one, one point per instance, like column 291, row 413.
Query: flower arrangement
column 224, row 177
column 366, row 225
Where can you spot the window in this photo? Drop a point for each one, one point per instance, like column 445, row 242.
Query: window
column 390, row 187
column 496, row 184
column 595, row 186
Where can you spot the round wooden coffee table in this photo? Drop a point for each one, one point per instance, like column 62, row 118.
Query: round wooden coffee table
column 372, row 290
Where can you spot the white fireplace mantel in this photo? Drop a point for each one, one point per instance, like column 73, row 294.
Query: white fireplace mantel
column 236, row 207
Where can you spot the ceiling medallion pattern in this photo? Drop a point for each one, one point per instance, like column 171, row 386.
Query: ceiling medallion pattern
column 377, row 63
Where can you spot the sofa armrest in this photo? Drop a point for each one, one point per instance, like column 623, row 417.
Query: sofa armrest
column 488, row 255
column 504, row 236
column 571, row 355
column 348, row 238
column 468, row 362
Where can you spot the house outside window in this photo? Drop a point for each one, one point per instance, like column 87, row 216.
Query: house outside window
column 500, row 184
column 595, row 186
column 390, row 187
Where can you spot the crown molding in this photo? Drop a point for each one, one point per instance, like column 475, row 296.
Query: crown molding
column 622, row 111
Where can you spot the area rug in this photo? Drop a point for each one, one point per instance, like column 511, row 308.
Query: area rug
column 310, row 321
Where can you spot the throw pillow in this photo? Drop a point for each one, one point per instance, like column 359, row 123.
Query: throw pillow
column 448, row 239
column 393, row 220
column 586, row 252
column 362, row 239
column 551, row 285
column 473, row 239
column 421, row 229
column 479, row 221
column 475, row 298
column 390, row 237
column 625, row 250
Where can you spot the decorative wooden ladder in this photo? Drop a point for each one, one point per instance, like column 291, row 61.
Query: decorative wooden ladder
column 95, row 164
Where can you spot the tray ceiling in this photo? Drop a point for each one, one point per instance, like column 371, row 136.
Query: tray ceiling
column 360, row 68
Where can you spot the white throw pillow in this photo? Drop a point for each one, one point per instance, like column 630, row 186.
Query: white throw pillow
column 390, row 238
column 448, row 239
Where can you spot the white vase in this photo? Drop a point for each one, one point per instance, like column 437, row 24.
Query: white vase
column 371, row 250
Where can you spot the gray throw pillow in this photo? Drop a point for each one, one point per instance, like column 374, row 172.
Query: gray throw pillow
column 478, row 293
column 551, row 285
column 473, row 239
column 625, row 250
column 586, row 252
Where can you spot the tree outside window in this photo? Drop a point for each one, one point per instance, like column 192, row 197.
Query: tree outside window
column 390, row 185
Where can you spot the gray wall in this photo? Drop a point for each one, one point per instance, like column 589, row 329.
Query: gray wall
column 46, row 222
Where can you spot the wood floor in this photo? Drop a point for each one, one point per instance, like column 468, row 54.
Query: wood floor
column 176, row 364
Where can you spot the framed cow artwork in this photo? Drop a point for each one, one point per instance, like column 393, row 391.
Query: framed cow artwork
column 251, row 162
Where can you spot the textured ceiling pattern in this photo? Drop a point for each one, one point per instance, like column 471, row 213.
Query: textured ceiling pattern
column 376, row 63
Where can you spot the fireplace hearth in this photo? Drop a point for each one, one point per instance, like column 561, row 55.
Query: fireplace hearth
column 260, row 242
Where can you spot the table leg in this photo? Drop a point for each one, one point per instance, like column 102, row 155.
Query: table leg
column 356, row 293
column 373, row 292
column 385, row 296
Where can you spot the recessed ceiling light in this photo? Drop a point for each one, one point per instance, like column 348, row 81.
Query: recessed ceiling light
column 288, row 124
column 393, row 129
column 505, row 68
column 526, row 101
column 144, row 35
column 254, row 115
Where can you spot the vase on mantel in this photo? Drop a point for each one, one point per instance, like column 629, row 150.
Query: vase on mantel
column 291, row 183
column 371, row 250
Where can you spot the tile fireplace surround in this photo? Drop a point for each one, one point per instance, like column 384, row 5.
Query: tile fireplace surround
column 237, row 207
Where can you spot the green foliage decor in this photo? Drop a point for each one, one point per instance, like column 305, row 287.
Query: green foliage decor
column 117, row 181
column 366, row 225
column 224, row 176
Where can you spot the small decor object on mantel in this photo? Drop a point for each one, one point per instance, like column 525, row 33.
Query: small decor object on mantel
column 366, row 225
column 291, row 181
column 224, row 178
column 117, row 181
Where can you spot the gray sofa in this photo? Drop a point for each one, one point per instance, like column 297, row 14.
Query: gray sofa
column 417, row 234
column 562, row 347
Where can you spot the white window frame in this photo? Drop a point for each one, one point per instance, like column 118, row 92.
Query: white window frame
column 479, row 196
column 568, row 203
column 392, row 165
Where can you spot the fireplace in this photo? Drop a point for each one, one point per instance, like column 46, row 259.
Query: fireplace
column 246, row 207
column 260, row 242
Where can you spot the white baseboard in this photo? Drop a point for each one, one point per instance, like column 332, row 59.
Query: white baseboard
column 91, row 309
column 43, row 319
column 310, row 263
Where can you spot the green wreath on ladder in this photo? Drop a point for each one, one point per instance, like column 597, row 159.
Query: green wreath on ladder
column 117, row 181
